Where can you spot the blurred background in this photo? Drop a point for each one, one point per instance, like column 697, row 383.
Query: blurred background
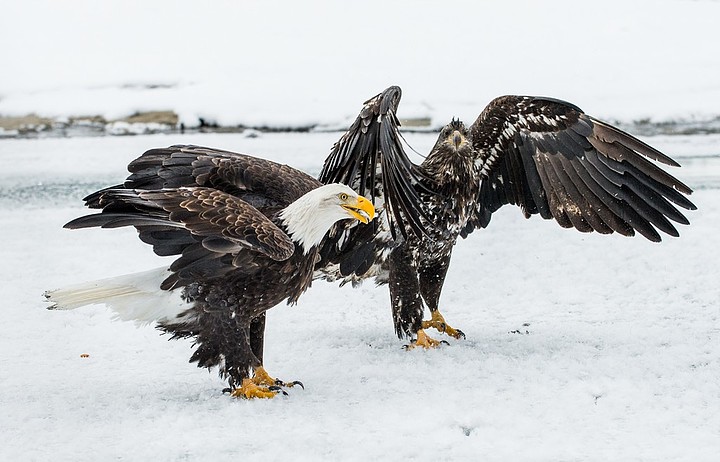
column 130, row 66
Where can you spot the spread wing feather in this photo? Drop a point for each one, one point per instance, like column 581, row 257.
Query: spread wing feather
column 260, row 182
column 551, row 159
column 209, row 206
column 216, row 215
column 221, row 222
column 370, row 159
column 206, row 227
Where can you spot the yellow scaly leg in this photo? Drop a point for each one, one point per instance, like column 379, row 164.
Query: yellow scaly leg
column 438, row 322
column 262, row 385
column 425, row 341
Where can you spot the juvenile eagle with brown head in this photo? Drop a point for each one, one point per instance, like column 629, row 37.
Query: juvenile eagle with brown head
column 544, row 155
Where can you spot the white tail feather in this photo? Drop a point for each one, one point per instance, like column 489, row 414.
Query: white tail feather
column 133, row 297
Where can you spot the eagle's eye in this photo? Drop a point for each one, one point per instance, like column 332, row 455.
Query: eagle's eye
column 343, row 196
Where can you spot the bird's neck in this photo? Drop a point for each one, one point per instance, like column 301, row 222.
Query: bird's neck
column 448, row 168
column 303, row 222
column 456, row 181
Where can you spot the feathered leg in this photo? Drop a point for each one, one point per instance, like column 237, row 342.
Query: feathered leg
column 257, row 336
column 233, row 346
column 406, row 300
column 431, row 279
column 407, row 307
column 261, row 385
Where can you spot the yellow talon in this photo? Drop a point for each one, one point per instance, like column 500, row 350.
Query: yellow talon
column 261, row 377
column 262, row 385
column 438, row 322
column 248, row 389
column 425, row 341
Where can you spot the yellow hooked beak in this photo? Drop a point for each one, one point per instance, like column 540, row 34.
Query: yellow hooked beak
column 360, row 208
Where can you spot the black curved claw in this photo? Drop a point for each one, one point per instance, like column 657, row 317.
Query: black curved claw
column 227, row 390
column 277, row 389
column 280, row 383
column 460, row 333
column 445, row 342
column 407, row 347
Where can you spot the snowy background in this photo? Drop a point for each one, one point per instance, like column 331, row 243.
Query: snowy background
column 579, row 347
column 302, row 63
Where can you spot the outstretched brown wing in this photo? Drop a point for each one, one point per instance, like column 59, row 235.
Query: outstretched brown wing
column 212, row 207
column 550, row 158
column 260, row 182
column 370, row 159
column 212, row 230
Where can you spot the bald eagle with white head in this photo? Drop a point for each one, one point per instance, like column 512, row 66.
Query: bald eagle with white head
column 544, row 155
column 247, row 232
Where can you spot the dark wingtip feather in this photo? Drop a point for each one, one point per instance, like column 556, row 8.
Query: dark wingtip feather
column 87, row 221
column 611, row 134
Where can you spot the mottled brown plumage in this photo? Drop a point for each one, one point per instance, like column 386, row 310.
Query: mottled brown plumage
column 246, row 233
column 542, row 154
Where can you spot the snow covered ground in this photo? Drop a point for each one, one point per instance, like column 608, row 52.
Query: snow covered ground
column 287, row 63
column 579, row 347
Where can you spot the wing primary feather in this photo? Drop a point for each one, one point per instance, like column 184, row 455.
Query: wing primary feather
column 608, row 192
column 666, row 192
column 652, row 202
column 566, row 193
column 620, row 153
column 115, row 220
column 554, row 203
column 589, row 205
column 610, row 134
column 633, row 214
column 374, row 139
column 515, row 169
column 603, row 203
column 539, row 198
column 656, row 194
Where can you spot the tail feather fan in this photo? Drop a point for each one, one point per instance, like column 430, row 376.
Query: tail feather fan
column 133, row 297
